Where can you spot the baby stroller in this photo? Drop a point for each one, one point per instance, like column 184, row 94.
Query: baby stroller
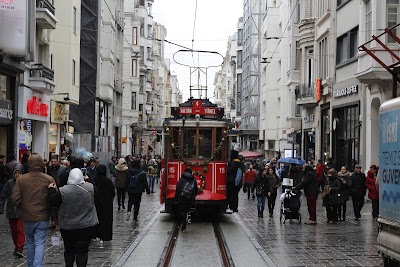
column 290, row 206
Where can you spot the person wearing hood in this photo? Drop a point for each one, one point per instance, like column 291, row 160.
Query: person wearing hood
column 310, row 184
column 14, row 214
column 77, row 216
column 332, row 199
column 30, row 194
column 185, row 196
column 136, row 184
column 344, row 178
column 234, row 181
column 373, row 194
column 121, row 170
column 104, row 204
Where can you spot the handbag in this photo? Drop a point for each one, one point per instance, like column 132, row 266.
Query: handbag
column 326, row 191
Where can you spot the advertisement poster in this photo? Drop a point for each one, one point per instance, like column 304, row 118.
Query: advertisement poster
column 24, row 136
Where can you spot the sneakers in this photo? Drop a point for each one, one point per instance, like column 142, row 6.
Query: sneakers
column 18, row 253
column 309, row 222
column 123, row 206
column 128, row 216
column 253, row 196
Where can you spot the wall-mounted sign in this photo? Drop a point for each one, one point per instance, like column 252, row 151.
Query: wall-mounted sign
column 345, row 91
column 33, row 105
column 24, row 136
column 6, row 112
column 57, row 113
column 309, row 118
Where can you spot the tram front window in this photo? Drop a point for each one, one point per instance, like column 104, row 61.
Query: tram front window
column 205, row 144
column 189, row 143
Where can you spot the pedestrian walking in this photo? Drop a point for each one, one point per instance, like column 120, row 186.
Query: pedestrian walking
column 30, row 194
column 55, row 170
column 373, row 193
column 78, row 216
column 92, row 169
column 331, row 199
column 345, row 191
column 185, row 196
column 274, row 184
column 248, row 179
column 358, row 190
column 262, row 190
column 311, row 185
column 136, row 185
column 151, row 174
column 320, row 172
column 13, row 213
column 104, row 199
column 111, row 167
column 121, row 171
column 234, row 181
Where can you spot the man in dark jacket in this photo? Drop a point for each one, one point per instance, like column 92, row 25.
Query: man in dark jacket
column 234, row 182
column 358, row 190
column 185, row 196
column 56, row 170
column 311, row 190
column 136, row 185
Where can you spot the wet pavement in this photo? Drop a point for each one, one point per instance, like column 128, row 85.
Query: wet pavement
column 349, row 243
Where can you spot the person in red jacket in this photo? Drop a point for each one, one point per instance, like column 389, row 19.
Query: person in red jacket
column 248, row 179
column 373, row 193
column 320, row 172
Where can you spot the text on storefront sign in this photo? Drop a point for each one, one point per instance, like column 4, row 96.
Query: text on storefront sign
column 35, row 106
column 345, row 91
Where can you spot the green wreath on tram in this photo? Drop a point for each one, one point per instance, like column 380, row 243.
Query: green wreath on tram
column 202, row 178
column 205, row 163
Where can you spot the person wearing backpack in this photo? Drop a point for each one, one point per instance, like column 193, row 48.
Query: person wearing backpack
column 185, row 196
column 136, row 185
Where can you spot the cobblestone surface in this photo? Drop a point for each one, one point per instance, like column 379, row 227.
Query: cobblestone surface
column 292, row 244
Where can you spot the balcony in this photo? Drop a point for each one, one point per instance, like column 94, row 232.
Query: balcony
column 305, row 95
column 41, row 78
column 45, row 14
column 306, row 31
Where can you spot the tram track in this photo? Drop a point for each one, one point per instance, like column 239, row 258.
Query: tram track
column 169, row 250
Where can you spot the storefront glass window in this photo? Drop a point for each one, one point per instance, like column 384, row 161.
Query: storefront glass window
column 325, row 135
column 53, row 138
column 4, row 87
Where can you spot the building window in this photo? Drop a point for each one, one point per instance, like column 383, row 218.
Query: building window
column 239, row 59
column 134, row 36
column 73, row 71
column 141, row 83
column 368, row 21
column 133, row 101
column 298, row 56
column 149, row 10
column 392, row 15
column 323, row 6
column 149, row 31
column 134, row 67
column 149, row 53
column 142, row 54
column 142, row 28
column 240, row 36
column 74, row 20
column 140, row 112
column 323, row 60
column 51, row 61
column 341, row 2
column 347, row 46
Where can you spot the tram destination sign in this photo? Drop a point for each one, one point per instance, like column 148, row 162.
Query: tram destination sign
column 200, row 111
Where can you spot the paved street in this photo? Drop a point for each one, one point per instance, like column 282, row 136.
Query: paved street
column 349, row 243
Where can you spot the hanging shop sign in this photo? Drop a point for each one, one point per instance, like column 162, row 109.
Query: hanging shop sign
column 6, row 112
column 345, row 91
column 33, row 105
column 57, row 112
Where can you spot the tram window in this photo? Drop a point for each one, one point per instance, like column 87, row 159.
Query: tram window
column 189, row 143
column 175, row 138
column 205, row 144
column 218, row 140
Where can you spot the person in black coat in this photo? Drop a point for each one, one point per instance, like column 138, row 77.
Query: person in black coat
column 234, row 182
column 104, row 198
column 332, row 200
column 135, row 192
column 262, row 190
column 185, row 203
column 311, row 189
column 358, row 190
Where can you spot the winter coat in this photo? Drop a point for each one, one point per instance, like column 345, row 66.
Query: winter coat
column 231, row 172
column 249, row 176
column 12, row 212
column 333, row 198
column 345, row 190
column 296, row 175
column 261, row 185
column 142, row 185
column 373, row 193
column 120, row 179
column 357, row 185
column 185, row 177
column 30, row 192
column 274, row 183
column 320, row 172
column 309, row 183
column 57, row 173
column 104, row 204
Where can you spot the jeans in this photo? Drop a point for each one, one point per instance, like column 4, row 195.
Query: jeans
column 261, row 203
column 151, row 182
column 358, row 203
column 342, row 210
column 36, row 235
column 312, row 207
column 121, row 197
column 17, row 233
column 134, row 200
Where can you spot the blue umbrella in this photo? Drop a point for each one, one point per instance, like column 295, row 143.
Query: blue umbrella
column 297, row 161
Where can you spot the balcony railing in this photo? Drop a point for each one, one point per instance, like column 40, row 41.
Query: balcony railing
column 305, row 90
column 41, row 71
column 46, row 4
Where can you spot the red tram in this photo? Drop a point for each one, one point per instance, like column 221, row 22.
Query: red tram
column 197, row 136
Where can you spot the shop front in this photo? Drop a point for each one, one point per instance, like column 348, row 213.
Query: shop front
column 6, row 127
column 309, row 127
column 346, row 126
column 57, row 130
column 34, row 117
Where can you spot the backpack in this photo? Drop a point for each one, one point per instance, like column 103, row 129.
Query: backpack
column 187, row 190
column 238, row 178
column 134, row 180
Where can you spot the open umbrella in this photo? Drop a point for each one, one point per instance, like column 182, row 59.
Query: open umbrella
column 297, row 161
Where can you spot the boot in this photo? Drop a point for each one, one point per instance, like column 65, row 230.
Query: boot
column 261, row 214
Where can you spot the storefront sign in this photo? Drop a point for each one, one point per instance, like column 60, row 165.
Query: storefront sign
column 33, row 105
column 6, row 112
column 345, row 91
column 25, row 136
column 7, row 5
column 57, row 113
column 309, row 118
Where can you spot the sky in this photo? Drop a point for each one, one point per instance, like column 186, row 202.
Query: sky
column 216, row 20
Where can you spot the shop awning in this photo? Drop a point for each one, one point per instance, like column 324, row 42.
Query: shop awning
column 251, row 154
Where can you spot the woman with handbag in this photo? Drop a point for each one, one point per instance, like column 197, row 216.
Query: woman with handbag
column 331, row 196
column 262, row 190
column 344, row 177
